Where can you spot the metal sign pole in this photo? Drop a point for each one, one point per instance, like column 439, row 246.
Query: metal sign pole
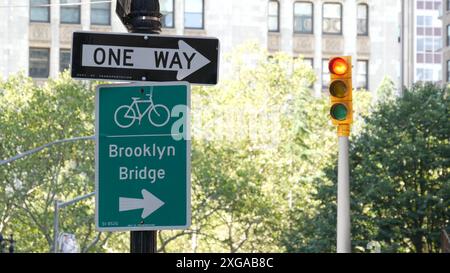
column 56, row 226
column 343, row 196
column 143, row 241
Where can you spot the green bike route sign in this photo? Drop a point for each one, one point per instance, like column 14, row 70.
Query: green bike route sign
column 142, row 156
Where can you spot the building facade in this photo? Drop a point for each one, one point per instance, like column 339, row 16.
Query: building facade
column 36, row 37
column 428, row 37
column 445, row 17
column 421, row 34
column 37, row 34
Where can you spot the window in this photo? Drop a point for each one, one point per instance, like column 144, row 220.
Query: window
column 428, row 50
column 362, row 79
column 438, row 5
column 325, row 74
column 424, row 74
column 274, row 16
column 309, row 62
column 39, row 64
column 420, row 44
column 429, row 42
column 420, row 21
column 428, row 45
column 424, row 21
column 363, row 19
column 448, row 35
column 428, row 21
column 39, row 12
column 70, row 11
column 193, row 14
column 420, row 4
column 64, row 59
column 448, row 71
column 332, row 18
column 166, row 7
column 448, row 5
column 100, row 13
column 303, row 17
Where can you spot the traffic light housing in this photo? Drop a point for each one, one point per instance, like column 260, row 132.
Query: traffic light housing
column 140, row 16
column 341, row 93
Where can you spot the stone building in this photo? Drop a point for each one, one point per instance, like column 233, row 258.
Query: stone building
column 35, row 35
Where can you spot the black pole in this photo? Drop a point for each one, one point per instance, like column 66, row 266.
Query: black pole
column 141, row 16
column 143, row 242
column 11, row 244
column 1, row 243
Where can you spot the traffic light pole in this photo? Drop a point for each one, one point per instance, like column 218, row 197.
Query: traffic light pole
column 343, row 198
column 341, row 112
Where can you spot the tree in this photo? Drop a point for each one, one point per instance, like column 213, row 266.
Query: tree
column 311, row 224
column 252, row 150
column 399, row 181
column 386, row 90
column 258, row 140
column 30, row 116
column 261, row 140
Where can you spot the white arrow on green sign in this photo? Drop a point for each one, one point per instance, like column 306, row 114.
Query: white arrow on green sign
column 148, row 204
column 143, row 156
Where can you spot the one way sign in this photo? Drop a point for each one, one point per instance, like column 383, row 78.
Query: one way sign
column 144, row 57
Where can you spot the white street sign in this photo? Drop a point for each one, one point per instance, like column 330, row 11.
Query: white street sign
column 185, row 60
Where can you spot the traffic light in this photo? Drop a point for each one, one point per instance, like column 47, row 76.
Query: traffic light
column 140, row 16
column 341, row 93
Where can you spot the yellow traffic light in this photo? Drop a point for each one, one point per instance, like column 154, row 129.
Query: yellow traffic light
column 341, row 93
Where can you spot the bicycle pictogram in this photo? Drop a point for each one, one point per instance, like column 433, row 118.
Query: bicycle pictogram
column 126, row 115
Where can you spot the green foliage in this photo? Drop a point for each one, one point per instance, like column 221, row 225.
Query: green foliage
column 31, row 116
column 263, row 157
column 400, row 178
column 304, row 230
column 386, row 90
column 260, row 140
column 251, row 143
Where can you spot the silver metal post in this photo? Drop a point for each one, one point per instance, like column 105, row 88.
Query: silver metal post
column 56, row 227
column 343, row 198
column 48, row 145
column 60, row 205
column 73, row 201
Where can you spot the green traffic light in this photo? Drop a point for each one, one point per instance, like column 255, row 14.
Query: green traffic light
column 339, row 111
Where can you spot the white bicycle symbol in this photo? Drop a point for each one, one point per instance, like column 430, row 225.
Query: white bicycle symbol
column 158, row 114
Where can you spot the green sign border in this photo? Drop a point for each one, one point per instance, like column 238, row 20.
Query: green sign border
column 188, row 156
